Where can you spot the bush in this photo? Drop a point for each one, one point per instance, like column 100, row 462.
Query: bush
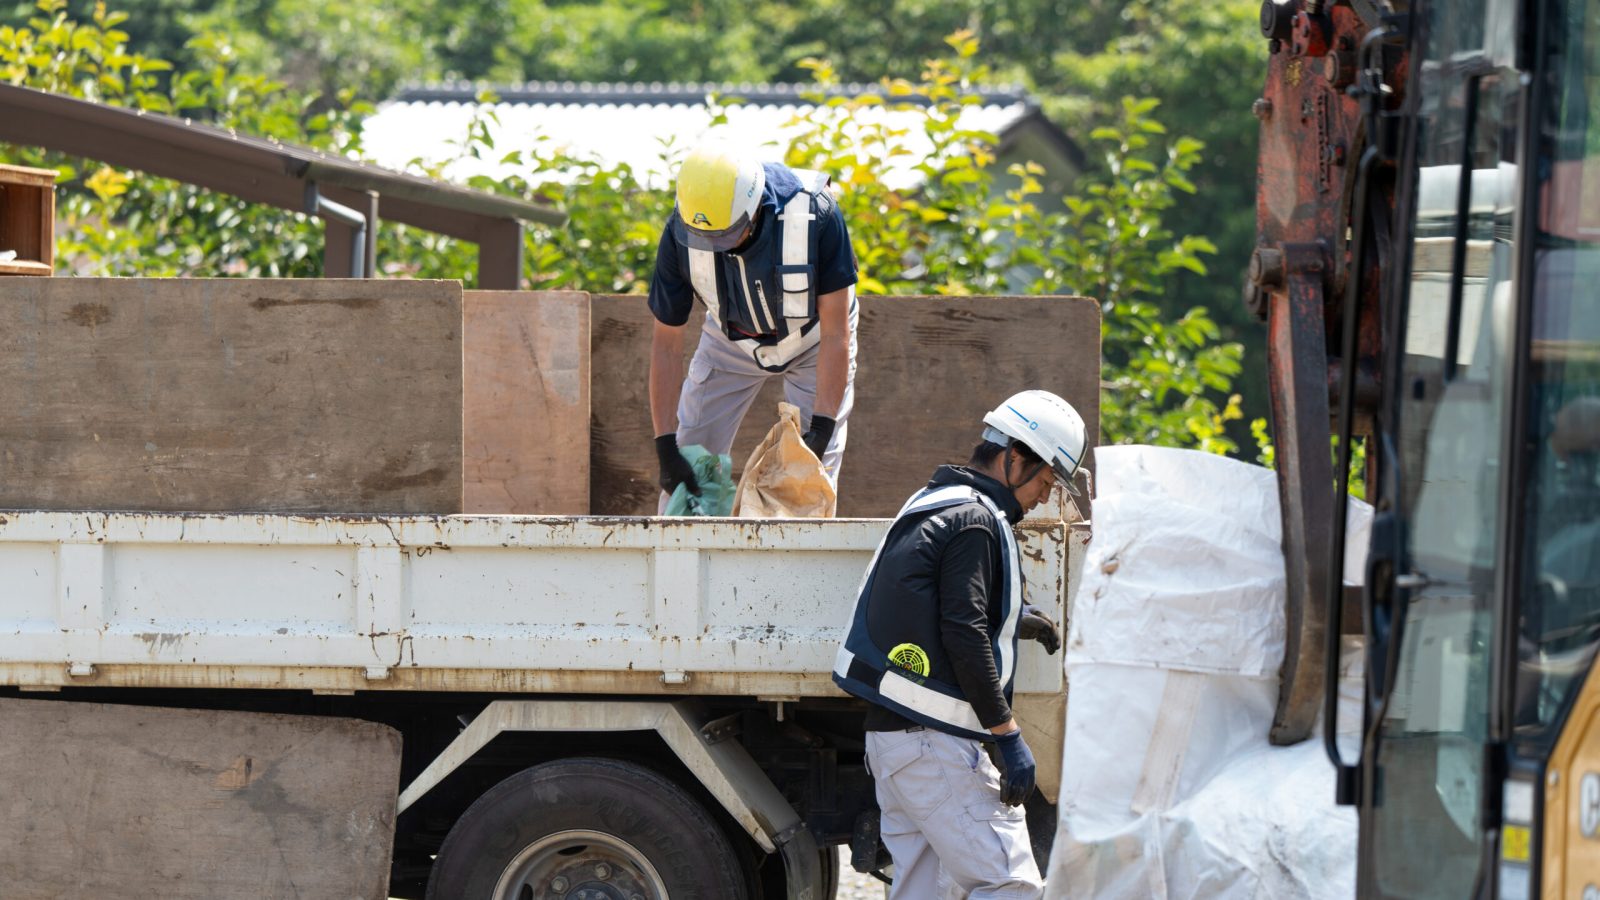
column 963, row 230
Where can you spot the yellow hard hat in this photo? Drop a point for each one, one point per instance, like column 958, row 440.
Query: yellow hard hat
column 719, row 194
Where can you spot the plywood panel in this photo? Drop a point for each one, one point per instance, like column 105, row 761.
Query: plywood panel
column 526, row 406
column 928, row 369
column 99, row 800
column 338, row 396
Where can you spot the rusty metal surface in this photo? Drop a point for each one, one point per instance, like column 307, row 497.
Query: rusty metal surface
column 1297, row 371
column 1312, row 137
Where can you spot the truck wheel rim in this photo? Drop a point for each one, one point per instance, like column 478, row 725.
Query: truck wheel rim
column 580, row 865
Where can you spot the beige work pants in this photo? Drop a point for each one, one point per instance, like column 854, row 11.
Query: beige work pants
column 943, row 822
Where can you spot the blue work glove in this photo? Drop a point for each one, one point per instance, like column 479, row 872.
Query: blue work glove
column 1016, row 768
column 820, row 433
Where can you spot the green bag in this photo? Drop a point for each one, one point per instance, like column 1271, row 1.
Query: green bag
column 715, row 475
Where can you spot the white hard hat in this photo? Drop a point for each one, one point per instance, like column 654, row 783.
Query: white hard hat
column 1047, row 424
column 719, row 193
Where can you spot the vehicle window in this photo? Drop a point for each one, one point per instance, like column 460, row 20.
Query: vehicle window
column 1560, row 626
column 1452, row 419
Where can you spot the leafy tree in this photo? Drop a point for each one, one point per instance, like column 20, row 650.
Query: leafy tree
column 962, row 231
column 121, row 223
column 329, row 48
column 1206, row 62
column 1164, row 377
column 1202, row 61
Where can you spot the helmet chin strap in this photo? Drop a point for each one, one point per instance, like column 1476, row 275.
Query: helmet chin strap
column 1032, row 473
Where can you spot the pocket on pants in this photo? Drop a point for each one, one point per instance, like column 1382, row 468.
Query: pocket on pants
column 999, row 834
column 912, row 774
column 986, row 772
column 692, row 401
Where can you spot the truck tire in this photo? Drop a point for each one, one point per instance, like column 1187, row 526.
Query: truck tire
column 611, row 826
column 829, row 888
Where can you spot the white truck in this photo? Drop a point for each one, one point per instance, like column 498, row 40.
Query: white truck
column 588, row 707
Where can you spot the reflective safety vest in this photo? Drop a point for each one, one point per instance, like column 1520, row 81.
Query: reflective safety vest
column 791, row 319
column 897, row 677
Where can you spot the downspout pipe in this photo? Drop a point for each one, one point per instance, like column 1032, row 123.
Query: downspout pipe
column 318, row 205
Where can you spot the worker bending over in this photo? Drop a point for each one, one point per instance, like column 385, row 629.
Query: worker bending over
column 764, row 247
column 932, row 645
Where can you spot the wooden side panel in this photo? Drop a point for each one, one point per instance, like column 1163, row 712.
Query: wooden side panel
column 928, row 369
column 47, row 227
column 526, row 407
column 99, row 800
column 27, row 220
column 215, row 395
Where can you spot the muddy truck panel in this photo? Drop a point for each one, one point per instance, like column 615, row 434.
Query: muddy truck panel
column 667, row 627
column 460, row 603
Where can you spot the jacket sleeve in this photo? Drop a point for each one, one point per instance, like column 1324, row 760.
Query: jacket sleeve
column 966, row 577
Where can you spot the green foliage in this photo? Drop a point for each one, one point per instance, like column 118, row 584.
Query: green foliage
column 1166, row 381
column 1202, row 60
column 1266, row 451
column 608, row 245
column 1206, row 62
column 940, row 238
column 1358, row 466
column 322, row 47
column 1267, row 455
column 122, row 223
column 961, row 230
column 56, row 53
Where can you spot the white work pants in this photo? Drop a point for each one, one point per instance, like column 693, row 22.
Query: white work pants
column 723, row 382
column 943, row 822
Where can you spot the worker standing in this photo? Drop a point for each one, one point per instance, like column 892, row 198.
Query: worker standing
column 932, row 645
column 765, row 248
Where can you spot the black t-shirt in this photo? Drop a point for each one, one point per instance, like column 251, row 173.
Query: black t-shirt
column 671, row 293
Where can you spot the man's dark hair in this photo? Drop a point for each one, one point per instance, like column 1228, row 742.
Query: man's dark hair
column 986, row 451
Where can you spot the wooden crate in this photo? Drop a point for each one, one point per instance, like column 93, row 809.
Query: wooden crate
column 27, row 221
column 928, row 369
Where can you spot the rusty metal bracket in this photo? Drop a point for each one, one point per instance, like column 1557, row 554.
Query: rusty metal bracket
column 1297, row 358
column 719, row 730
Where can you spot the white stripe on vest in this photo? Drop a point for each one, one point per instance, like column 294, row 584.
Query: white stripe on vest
column 903, row 691
column 796, row 235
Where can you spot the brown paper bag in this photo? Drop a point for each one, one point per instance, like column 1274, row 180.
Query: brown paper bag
column 783, row 479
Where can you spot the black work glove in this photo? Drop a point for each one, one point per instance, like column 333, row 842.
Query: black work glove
column 675, row 470
column 1016, row 768
column 820, row 434
column 1036, row 626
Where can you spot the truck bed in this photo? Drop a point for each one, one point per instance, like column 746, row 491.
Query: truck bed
column 337, row 604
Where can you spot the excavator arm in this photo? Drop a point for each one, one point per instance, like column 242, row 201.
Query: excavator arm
column 1323, row 203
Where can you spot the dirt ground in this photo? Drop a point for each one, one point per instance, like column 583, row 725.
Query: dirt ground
column 855, row 886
